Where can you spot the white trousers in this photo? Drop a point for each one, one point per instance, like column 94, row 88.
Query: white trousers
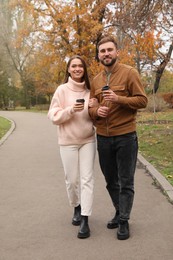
column 78, row 163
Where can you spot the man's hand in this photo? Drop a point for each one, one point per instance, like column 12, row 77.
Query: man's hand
column 109, row 95
column 103, row 111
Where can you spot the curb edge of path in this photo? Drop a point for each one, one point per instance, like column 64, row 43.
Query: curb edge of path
column 13, row 126
column 160, row 180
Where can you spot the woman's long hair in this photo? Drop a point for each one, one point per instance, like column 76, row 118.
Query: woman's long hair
column 85, row 76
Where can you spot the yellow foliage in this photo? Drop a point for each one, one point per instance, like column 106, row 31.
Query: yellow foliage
column 94, row 68
column 55, row 30
column 147, row 43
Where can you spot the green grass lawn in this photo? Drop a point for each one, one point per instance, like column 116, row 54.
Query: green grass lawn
column 4, row 126
column 155, row 134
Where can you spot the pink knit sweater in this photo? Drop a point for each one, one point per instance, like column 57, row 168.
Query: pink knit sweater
column 73, row 127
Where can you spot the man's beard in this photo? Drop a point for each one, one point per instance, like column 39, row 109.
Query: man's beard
column 112, row 62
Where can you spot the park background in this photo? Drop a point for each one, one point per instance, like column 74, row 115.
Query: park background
column 38, row 37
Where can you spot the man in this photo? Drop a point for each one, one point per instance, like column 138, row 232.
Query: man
column 114, row 118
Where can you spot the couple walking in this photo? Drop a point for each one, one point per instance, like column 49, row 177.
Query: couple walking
column 110, row 104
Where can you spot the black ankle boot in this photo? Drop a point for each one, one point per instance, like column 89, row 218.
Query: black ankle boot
column 123, row 230
column 113, row 223
column 77, row 216
column 84, row 230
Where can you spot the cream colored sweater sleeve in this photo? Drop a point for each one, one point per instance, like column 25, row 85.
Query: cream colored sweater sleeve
column 57, row 114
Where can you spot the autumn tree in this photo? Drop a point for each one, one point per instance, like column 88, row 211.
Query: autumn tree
column 7, row 89
column 145, row 31
column 64, row 29
column 165, row 25
column 47, row 33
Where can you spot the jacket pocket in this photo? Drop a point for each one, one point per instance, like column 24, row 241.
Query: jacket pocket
column 120, row 90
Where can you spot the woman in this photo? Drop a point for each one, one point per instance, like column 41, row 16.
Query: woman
column 76, row 137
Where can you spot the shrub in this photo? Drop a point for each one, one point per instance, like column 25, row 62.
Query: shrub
column 42, row 107
column 156, row 103
column 168, row 97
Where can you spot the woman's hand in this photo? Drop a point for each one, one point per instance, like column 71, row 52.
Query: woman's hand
column 77, row 107
column 93, row 102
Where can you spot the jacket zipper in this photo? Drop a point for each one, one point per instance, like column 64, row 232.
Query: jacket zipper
column 108, row 75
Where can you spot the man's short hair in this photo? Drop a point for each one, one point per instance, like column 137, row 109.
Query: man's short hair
column 106, row 39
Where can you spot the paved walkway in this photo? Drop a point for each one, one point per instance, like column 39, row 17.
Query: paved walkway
column 35, row 218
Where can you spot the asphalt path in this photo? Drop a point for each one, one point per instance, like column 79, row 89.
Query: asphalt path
column 35, row 217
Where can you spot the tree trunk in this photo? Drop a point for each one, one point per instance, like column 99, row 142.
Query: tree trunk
column 161, row 68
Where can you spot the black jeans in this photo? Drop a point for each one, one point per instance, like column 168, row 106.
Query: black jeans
column 117, row 157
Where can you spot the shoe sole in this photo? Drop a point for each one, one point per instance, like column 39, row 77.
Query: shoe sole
column 83, row 235
column 123, row 237
column 112, row 226
column 76, row 223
